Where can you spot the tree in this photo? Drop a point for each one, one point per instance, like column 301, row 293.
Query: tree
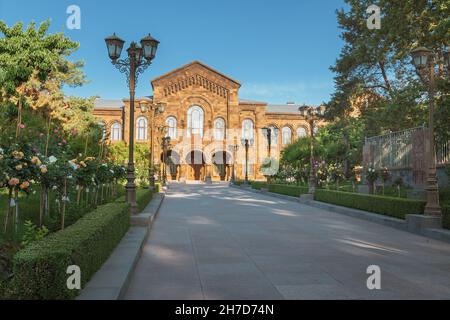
column 374, row 74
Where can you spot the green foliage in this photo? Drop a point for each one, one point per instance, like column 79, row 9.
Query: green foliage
column 258, row 185
column 374, row 74
column 32, row 233
column 446, row 217
column 118, row 153
column 394, row 207
column 294, row 191
column 143, row 198
column 40, row 268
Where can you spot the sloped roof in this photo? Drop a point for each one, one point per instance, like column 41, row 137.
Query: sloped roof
column 283, row 108
column 247, row 101
column 108, row 104
column 192, row 64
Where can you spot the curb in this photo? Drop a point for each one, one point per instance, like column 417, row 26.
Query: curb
column 111, row 281
column 435, row 234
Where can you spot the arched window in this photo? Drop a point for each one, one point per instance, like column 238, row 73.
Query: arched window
column 286, row 135
column 196, row 117
column 171, row 123
column 301, row 132
column 315, row 129
column 274, row 135
column 116, row 131
column 247, row 129
column 219, row 129
column 141, row 129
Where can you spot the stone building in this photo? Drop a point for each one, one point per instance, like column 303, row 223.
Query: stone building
column 204, row 117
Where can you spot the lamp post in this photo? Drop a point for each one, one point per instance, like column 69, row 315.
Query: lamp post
column 153, row 110
column 165, row 145
column 139, row 59
column 311, row 115
column 247, row 143
column 424, row 60
column 233, row 148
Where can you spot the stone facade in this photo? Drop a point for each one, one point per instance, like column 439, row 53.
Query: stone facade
column 204, row 117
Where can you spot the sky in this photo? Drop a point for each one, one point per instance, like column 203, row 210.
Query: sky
column 279, row 51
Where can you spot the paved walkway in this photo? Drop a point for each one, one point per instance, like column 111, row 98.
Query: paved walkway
column 217, row 242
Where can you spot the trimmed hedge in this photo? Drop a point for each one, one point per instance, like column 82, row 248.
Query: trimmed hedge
column 446, row 216
column 257, row 185
column 143, row 197
column 288, row 190
column 40, row 269
column 394, row 207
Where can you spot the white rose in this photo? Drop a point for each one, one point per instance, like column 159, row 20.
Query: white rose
column 52, row 159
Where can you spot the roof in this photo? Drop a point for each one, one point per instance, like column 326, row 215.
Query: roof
column 196, row 63
column 283, row 108
column 246, row 101
column 108, row 104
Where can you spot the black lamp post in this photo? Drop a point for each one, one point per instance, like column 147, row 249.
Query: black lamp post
column 424, row 60
column 165, row 145
column 311, row 114
column 139, row 59
column 233, row 148
column 247, row 143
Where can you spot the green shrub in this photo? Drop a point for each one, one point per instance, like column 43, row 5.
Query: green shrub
column 289, row 190
column 257, row 185
column 446, row 216
column 40, row 269
column 143, row 197
column 390, row 206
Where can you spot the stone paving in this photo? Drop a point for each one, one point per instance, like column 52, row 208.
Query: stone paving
column 217, row 242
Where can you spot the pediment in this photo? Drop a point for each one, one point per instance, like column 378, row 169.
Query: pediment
column 195, row 74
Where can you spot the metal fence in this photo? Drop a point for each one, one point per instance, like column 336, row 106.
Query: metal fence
column 394, row 150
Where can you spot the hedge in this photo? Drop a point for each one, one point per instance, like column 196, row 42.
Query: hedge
column 390, row 206
column 288, row 190
column 446, row 216
column 257, row 185
column 40, row 269
column 143, row 197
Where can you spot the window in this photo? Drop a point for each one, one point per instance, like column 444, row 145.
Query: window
column 315, row 130
column 301, row 132
column 116, row 132
column 274, row 135
column 171, row 123
column 286, row 135
column 141, row 129
column 196, row 118
column 247, row 129
column 219, row 129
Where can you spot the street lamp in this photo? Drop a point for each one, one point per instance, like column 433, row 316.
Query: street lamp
column 424, row 61
column 247, row 143
column 132, row 67
column 233, row 148
column 311, row 115
column 165, row 145
column 153, row 109
column 268, row 132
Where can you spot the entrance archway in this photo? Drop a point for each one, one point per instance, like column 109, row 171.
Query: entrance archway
column 196, row 161
column 172, row 161
column 222, row 162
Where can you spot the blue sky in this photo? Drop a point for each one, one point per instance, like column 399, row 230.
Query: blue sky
column 279, row 50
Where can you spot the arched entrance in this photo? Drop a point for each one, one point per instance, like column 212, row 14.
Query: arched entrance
column 196, row 164
column 172, row 164
column 222, row 161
